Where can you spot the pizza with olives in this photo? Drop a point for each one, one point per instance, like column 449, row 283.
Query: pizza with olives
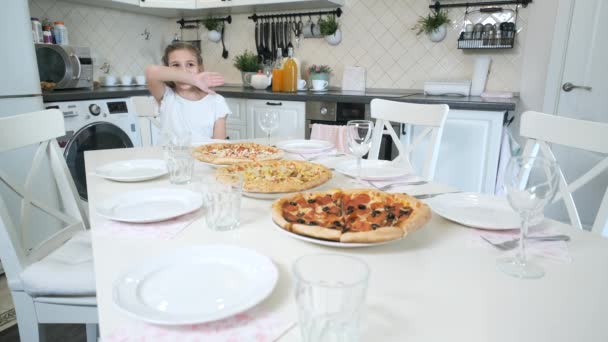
column 348, row 216
column 276, row 176
column 232, row 153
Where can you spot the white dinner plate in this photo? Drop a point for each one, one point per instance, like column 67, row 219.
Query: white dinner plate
column 195, row 285
column 150, row 205
column 332, row 243
column 372, row 170
column 478, row 210
column 134, row 170
column 305, row 146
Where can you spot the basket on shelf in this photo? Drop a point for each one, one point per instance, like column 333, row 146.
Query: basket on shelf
column 488, row 28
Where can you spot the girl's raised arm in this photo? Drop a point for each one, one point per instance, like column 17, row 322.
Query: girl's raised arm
column 157, row 75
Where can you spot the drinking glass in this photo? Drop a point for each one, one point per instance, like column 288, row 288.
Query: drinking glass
column 330, row 296
column 177, row 151
column 530, row 183
column 223, row 203
column 268, row 121
column 359, row 134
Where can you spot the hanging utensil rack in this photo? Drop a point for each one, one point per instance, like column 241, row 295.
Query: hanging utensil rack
column 195, row 24
column 338, row 12
column 438, row 5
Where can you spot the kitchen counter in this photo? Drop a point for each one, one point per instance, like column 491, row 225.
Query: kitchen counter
column 333, row 95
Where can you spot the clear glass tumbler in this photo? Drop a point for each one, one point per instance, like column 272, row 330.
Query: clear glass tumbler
column 330, row 295
column 180, row 164
column 223, row 202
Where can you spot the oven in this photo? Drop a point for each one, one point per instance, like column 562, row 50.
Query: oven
column 339, row 113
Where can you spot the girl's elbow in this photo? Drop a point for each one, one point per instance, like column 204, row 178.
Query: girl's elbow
column 151, row 71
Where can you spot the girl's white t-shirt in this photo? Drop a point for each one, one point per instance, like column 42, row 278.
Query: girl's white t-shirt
column 197, row 116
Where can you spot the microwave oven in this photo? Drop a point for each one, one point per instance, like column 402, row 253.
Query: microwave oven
column 66, row 66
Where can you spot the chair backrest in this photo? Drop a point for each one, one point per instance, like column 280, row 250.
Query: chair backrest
column 431, row 116
column 40, row 130
column 544, row 129
column 146, row 108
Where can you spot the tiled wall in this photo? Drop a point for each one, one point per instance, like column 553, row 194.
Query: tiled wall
column 376, row 34
column 113, row 36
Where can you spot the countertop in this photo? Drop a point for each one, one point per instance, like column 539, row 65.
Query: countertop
column 237, row 91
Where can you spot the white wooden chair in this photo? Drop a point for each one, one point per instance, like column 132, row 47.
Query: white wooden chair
column 147, row 112
column 54, row 281
column 431, row 116
column 544, row 129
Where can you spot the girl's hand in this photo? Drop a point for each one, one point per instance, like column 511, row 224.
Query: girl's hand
column 206, row 80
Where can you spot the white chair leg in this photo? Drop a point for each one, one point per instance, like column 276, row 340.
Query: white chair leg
column 27, row 322
column 92, row 332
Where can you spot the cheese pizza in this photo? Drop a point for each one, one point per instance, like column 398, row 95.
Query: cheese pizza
column 232, row 153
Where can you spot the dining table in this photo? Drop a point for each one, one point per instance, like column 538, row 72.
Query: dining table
column 439, row 283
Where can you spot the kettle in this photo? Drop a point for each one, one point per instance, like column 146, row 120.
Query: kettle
column 261, row 81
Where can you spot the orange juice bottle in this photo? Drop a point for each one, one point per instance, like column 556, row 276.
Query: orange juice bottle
column 290, row 73
column 277, row 73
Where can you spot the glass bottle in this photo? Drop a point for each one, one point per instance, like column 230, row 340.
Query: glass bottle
column 290, row 73
column 277, row 73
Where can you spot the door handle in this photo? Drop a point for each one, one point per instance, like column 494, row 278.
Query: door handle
column 569, row 86
column 274, row 103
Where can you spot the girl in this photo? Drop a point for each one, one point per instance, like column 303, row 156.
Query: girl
column 183, row 92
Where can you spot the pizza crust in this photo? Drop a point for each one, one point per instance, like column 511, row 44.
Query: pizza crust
column 377, row 235
column 317, row 232
column 421, row 214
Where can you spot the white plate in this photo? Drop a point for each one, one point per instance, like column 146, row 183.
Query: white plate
column 151, row 205
column 134, row 170
column 372, row 170
column 332, row 243
column 477, row 210
column 195, row 285
column 305, row 146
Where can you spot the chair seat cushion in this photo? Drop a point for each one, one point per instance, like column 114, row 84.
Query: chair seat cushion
column 67, row 271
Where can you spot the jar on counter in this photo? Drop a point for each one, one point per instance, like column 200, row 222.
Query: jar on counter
column 47, row 36
column 37, row 30
column 61, row 33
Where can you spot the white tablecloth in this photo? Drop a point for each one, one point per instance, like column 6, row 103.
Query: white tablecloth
column 433, row 285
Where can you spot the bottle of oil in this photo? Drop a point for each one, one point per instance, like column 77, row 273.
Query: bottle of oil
column 277, row 73
column 290, row 73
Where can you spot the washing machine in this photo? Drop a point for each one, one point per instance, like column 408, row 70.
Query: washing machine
column 98, row 124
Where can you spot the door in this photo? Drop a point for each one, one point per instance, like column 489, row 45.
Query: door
column 577, row 88
column 178, row 4
column 291, row 118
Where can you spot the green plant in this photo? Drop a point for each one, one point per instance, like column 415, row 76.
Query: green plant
column 431, row 22
column 319, row 69
column 328, row 26
column 247, row 62
column 213, row 24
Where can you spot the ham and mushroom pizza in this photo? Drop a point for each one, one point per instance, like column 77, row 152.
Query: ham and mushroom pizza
column 349, row 216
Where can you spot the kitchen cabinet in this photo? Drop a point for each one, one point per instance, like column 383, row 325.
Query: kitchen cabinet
column 469, row 150
column 291, row 118
column 178, row 4
column 236, row 124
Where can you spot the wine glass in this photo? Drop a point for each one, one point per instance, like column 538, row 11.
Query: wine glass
column 359, row 134
column 530, row 183
column 268, row 121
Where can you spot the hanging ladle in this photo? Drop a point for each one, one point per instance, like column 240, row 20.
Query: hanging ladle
column 224, row 51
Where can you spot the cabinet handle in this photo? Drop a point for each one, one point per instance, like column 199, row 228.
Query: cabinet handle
column 227, row 138
column 274, row 103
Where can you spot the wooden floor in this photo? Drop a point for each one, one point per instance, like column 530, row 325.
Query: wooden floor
column 54, row 333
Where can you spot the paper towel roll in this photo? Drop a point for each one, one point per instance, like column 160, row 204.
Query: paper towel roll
column 480, row 75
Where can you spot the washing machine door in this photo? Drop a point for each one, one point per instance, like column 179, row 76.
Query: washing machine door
column 95, row 136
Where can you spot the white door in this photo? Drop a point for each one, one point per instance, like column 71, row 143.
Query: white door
column 291, row 118
column 179, row 4
column 577, row 88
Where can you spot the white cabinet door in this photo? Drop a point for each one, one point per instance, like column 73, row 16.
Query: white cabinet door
column 180, row 4
column 469, row 150
column 235, row 132
column 239, row 113
column 291, row 118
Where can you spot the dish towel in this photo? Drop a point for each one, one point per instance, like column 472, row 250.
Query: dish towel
column 253, row 325
column 333, row 133
column 554, row 250
column 164, row 230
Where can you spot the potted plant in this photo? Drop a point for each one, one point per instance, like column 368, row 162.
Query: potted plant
column 247, row 63
column 329, row 28
column 213, row 26
column 319, row 72
column 434, row 25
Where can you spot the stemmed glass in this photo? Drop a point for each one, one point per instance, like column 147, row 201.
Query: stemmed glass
column 359, row 134
column 530, row 183
column 268, row 121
